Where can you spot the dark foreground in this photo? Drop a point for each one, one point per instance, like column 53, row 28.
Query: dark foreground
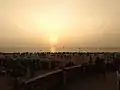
column 87, row 83
column 94, row 83
column 65, row 74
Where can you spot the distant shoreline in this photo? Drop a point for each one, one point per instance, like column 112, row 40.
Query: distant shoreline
column 62, row 49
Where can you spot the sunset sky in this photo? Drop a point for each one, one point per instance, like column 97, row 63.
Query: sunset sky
column 31, row 25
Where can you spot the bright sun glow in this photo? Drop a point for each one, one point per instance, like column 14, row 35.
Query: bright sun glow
column 52, row 22
column 53, row 43
column 53, row 40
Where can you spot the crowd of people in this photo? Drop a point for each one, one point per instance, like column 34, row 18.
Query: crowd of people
column 27, row 64
column 18, row 64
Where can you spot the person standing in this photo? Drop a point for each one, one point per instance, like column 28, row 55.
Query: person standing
column 100, row 66
column 118, row 78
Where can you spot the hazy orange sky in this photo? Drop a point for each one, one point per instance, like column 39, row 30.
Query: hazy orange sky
column 30, row 25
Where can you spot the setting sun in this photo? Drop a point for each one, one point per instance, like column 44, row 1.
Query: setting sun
column 53, row 40
column 53, row 43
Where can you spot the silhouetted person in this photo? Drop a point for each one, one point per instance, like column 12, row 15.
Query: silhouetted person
column 90, row 68
column 90, row 61
column 32, row 68
column 116, row 63
column 100, row 66
column 103, row 67
column 118, row 78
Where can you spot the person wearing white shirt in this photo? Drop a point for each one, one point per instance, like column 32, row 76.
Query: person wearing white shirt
column 118, row 79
